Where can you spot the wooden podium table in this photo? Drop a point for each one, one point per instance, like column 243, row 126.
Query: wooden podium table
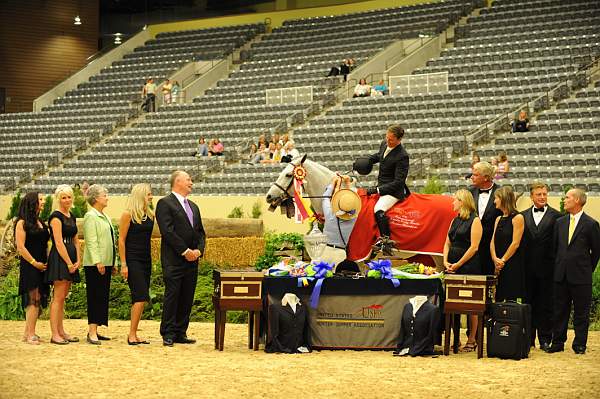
column 237, row 290
column 471, row 295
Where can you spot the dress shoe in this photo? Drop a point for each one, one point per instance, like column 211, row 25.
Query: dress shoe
column 167, row 342
column 545, row 346
column 185, row 340
column 555, row 348
column 579, row 350
column 92, row 341
column 102, row 338
column 63, row 342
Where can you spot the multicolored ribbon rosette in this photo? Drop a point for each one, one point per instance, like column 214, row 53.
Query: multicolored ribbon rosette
column 382, row 269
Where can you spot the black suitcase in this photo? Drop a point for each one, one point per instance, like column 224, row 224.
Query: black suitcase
column 509, row 331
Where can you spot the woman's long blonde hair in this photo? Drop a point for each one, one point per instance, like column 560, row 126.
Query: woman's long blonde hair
column 467, row 203
column 136, row 203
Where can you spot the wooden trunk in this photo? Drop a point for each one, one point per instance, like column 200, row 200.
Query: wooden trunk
column 465, row 293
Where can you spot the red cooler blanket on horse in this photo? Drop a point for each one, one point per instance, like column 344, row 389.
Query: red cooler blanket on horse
column 419, row 223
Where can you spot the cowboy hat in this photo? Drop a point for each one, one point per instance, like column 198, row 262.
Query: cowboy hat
column 346, row 204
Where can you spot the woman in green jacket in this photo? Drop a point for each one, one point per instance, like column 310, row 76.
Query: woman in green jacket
column 98, row 261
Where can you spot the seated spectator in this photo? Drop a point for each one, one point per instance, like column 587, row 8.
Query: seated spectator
column 522, row 124
column 284, row 139
column 494, row 163
column 202, row 150
column 334, row 71
column 261, row 154
column 175, row 91
column 475, row 159
column 275, row 138
column 289, row 152
column 262, row 140
column 503, row 167
column 216, row 147
column 380, row 88
column 362, row 89
column 166, row 91
column 252, row 152
column 345, row 68
column 270, row 154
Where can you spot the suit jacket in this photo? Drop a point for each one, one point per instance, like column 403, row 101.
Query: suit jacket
column 418, row 333
column 576, row 260
column 487, row 224
column 538, row 243
column 393, row 170
column 177, row 234
column 287, row 330
column 99, row 239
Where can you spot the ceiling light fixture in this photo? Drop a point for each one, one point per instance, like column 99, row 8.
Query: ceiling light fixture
column 77, row 21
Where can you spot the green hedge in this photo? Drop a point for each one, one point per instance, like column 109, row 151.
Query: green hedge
column 120, row 298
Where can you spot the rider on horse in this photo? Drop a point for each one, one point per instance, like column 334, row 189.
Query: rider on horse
column 391, row 182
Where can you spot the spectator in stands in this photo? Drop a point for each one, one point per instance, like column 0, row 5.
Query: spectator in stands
column 175, row 91
column 135, row 234
column 284, row 139
column 380, row 88
column 278, row 153
column 275, row 138
column 63, row 261
column 31, row 239
column 503, row 167
column 522, row 124
column 289, row 152
column 362, row 89
column 262, row 140
column 262, row 154
column 494, row 163
column 334, row 71
column 215, row 147
column 345, row 68
column 268, row 158
column 461, row 247
column 149, row 96
column 98, row 261
column 166, row 91
column 252, row 152
column 474, row 160
column 504, row 247
column 202, row 148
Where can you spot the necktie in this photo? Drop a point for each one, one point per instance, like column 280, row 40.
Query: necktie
column 538, row 209
column 188, row 211
column 571, row 228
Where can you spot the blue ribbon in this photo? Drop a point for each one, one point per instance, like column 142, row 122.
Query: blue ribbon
column 385, row 268
column 321, row 270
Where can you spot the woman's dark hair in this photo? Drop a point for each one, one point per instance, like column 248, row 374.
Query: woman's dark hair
column 28, row 211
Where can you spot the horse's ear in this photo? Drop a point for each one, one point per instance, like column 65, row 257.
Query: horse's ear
column 303, row 159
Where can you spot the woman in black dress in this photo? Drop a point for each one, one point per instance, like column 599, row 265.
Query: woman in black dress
column 63, row 261
column 31, row 236
column 460, row 249
column 504, row 247
column 135, row 232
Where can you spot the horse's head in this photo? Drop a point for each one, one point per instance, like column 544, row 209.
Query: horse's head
column 281, row 192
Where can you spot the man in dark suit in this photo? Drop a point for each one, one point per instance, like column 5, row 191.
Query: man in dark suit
column 538, row 241
column 483, row 190
column 182, row 244
column 577, row 243
column 391, row 182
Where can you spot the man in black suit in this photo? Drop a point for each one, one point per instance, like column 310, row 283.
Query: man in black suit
column 577, row 243
column 483, row 190
column 182, row 244
column 538, row 241
column 391, row 182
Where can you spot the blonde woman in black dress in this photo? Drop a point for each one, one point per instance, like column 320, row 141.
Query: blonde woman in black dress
column 63, row 261
column 505, row 247
column 31, row 236
column 135, row 233
column 460, row 249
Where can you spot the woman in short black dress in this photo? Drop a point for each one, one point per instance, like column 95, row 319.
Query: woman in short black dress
column 505, row 247
column 460, row 249
column 31, row 236
column 63, row 261
column 135, row 233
